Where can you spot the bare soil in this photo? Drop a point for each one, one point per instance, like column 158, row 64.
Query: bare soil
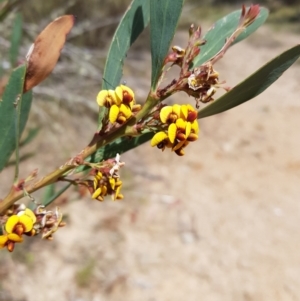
column 220, row 223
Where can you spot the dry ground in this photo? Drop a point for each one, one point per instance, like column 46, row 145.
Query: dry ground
column 220, row 223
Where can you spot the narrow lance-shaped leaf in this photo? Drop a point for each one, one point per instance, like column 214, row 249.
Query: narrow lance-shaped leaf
column 31, row 134
column 134, row 21
column 119, row 146
column 222, row 29
column 254, row 84
column 164, row 16
column 15, row 39
column 8, row 113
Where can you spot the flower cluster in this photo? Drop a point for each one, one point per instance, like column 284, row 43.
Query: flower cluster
column 31, row 223
column 106, row 180
column 106, row 185
column 120, row 102
column 180, row 127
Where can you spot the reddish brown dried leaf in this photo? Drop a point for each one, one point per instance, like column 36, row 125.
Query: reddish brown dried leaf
column 45, row 51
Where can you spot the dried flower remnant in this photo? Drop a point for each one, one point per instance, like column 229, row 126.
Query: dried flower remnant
column 200, row 81
column 48, row 222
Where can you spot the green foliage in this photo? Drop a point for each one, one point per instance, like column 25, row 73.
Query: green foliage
column 15, row 39
column 134, row 21
column 9, row 114
column 30, row 135
column 120, row 146
column 163, row 21
column 164, row 16
column 51, row 194
column 116, row 136
column 254, row 84
column 222, row 29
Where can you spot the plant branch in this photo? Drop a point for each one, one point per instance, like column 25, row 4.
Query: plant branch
column 98, row 142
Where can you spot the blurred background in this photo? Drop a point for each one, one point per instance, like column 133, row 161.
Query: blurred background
column 220, row 223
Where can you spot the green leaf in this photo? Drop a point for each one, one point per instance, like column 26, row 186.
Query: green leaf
column 134, row 21
column 223, row 29
column 164, row 16
column 254, row 84
column 119, row 146
column 32, row 133
column 22, row 158
column 8, row 113
column 48, row 193
column 15, row 40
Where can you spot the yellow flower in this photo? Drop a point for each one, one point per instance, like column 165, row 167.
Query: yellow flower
column 19, row 224
column 170, row 114
column 9, row 240
column 106, row 98
column 161, row 140
column 119, row 113
column 125, row 95
column 104, row 185
column 189, row 113
column 15, row 226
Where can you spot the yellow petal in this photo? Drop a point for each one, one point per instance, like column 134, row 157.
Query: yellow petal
column 27, row 222
column 96, row 182
column 172, row 130
column 164, row 113
column 11, row 223
column 118, row 183
column 120, row 196
column 112, row 183
column 119, row 94
column 125, row 110
column 115, row 196
column 99, row 175
column 3, row 240
column 30, row 213
column 181, row 124
column 184, row 111
column 195, row 127
column 106, row 98
column 113, row 113
column 96, row 193
column 104, row 190
column 14, row 237
column 176, row 109
column 101, row 98
column 190, row 107
column 158, row 138
column 188, row 129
